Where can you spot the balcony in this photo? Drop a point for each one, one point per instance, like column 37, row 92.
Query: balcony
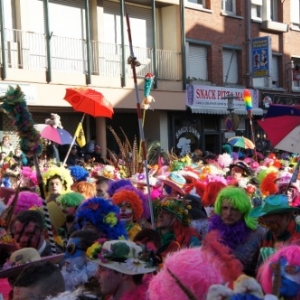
column 27, row 50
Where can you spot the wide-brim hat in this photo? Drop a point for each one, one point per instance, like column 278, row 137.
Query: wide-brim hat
column 141, row 178
column 274, row 204
column 124, row 258
column 27, row 257
column 175, row 181
column 247, row 171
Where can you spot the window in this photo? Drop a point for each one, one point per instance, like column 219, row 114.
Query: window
column 295, row 12
column 275, row 71
column 230, row 66
column 200, row 2
column 296, row 73
column 274, row 10
column 256, row 9
column 228, row 6
column 197, row 61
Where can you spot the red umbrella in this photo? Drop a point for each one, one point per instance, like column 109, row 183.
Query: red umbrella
column 89, row 101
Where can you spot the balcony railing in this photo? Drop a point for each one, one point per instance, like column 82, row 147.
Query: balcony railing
column 27, row 50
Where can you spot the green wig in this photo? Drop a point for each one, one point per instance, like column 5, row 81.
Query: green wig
column 70, row 199
column 239, row 200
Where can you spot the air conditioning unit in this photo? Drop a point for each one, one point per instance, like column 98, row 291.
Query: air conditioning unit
column 12, row 54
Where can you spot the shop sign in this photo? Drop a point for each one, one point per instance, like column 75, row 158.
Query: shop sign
column 215, row 96
column 28, row 90
column 187, row 138
column 284, row 99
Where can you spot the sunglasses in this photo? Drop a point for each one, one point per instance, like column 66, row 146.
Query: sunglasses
column 288, row 269
column 71, row 248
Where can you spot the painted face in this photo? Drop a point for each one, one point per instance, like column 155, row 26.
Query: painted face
column 290, row 278
column 277, row 224
column 229, row 214
column 55, row 186
column 164, row 220
column 109, row 280
column 74, row 256
column 126, row 213
column 28, row 235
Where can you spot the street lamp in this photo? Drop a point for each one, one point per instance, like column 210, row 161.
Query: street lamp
column 230, row 104
column 232, row 121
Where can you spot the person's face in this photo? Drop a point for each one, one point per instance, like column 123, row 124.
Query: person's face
column 74, row 256
column 69, row 213
column 290, row 278
column 6, row 141
column 18, row 152
column 25, row 293
column 55, row 186
column 229, row 214
column 277, row 224
column 74, row 151
column 101, row 189
column 29, row 235
column 109, row 280
column 164, row 219
column 126, row 212
column 290, row 193
column 237, row 173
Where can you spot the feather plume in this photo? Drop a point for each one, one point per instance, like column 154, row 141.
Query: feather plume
column 188, row 293
column 118, row 141
column 153, row 152
column 127, row 142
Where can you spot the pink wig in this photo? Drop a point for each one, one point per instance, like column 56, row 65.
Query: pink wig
column 25, row 201
column 291, row 253
column 194, row 269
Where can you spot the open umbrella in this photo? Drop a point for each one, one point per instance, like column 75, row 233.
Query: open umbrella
column 241, row 142
column 282, row 127
column 57, row 135
column 89, row 101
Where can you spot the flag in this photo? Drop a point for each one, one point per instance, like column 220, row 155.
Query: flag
column 80, row 138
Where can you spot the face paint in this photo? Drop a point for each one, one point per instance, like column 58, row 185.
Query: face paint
column 126, row 213
column 290, row 278
column 75, row 255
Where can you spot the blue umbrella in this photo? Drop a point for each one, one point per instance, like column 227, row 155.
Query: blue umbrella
column 57, row 135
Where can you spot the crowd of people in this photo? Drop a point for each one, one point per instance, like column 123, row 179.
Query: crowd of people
column 195, row 227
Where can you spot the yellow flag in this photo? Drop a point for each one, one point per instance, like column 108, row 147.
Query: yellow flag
column 80, row 138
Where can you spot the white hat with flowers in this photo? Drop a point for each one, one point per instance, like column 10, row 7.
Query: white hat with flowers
column 122, row 256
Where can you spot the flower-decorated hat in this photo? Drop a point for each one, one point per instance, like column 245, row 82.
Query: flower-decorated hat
column 179, row 208
column 22, row 258
column 174, row 180
column 122, row 256
column 141, row 178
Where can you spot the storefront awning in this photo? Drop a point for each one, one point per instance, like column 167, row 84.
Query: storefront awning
column 222, row 111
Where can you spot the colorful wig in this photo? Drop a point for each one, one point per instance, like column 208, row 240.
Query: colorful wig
column 196, row 188
column 103, row 215
column 142, row 196
column 124, row 195
column 86, row 189
column 115, row 185
column 268, row 186
column 60, row 172
column 29, row 175
column 291, row 253
column 25, row 201
column 211, row 192
column 239, row 200
column 188, row 273
column 79, row 173
column 71, row 199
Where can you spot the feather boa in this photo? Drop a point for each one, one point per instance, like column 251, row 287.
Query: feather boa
column 233, row 235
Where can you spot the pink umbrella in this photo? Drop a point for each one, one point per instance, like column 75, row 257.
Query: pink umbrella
column 57, row 135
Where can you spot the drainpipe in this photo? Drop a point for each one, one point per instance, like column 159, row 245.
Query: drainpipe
column 88, row 43
column 154, row 44
column 183, row 52
column 4, row 65
column 248, row 39
column 122, row 14
column 48, row 41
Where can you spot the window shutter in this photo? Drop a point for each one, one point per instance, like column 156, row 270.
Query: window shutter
column 230, row 63
column 197, row 62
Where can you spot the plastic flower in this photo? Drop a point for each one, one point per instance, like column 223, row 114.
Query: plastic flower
column 135, row 265
column 111, row 219
column 93, row 250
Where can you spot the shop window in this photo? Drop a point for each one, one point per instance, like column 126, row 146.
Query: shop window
column 197, row 62
column 230, row 66
column 296, row 73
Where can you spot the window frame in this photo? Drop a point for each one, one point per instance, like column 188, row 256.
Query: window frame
column 229, row 12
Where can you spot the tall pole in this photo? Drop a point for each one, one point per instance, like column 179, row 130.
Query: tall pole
column 88, row 42
column 48, row 36
column 134, row 63
column 3, row 42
